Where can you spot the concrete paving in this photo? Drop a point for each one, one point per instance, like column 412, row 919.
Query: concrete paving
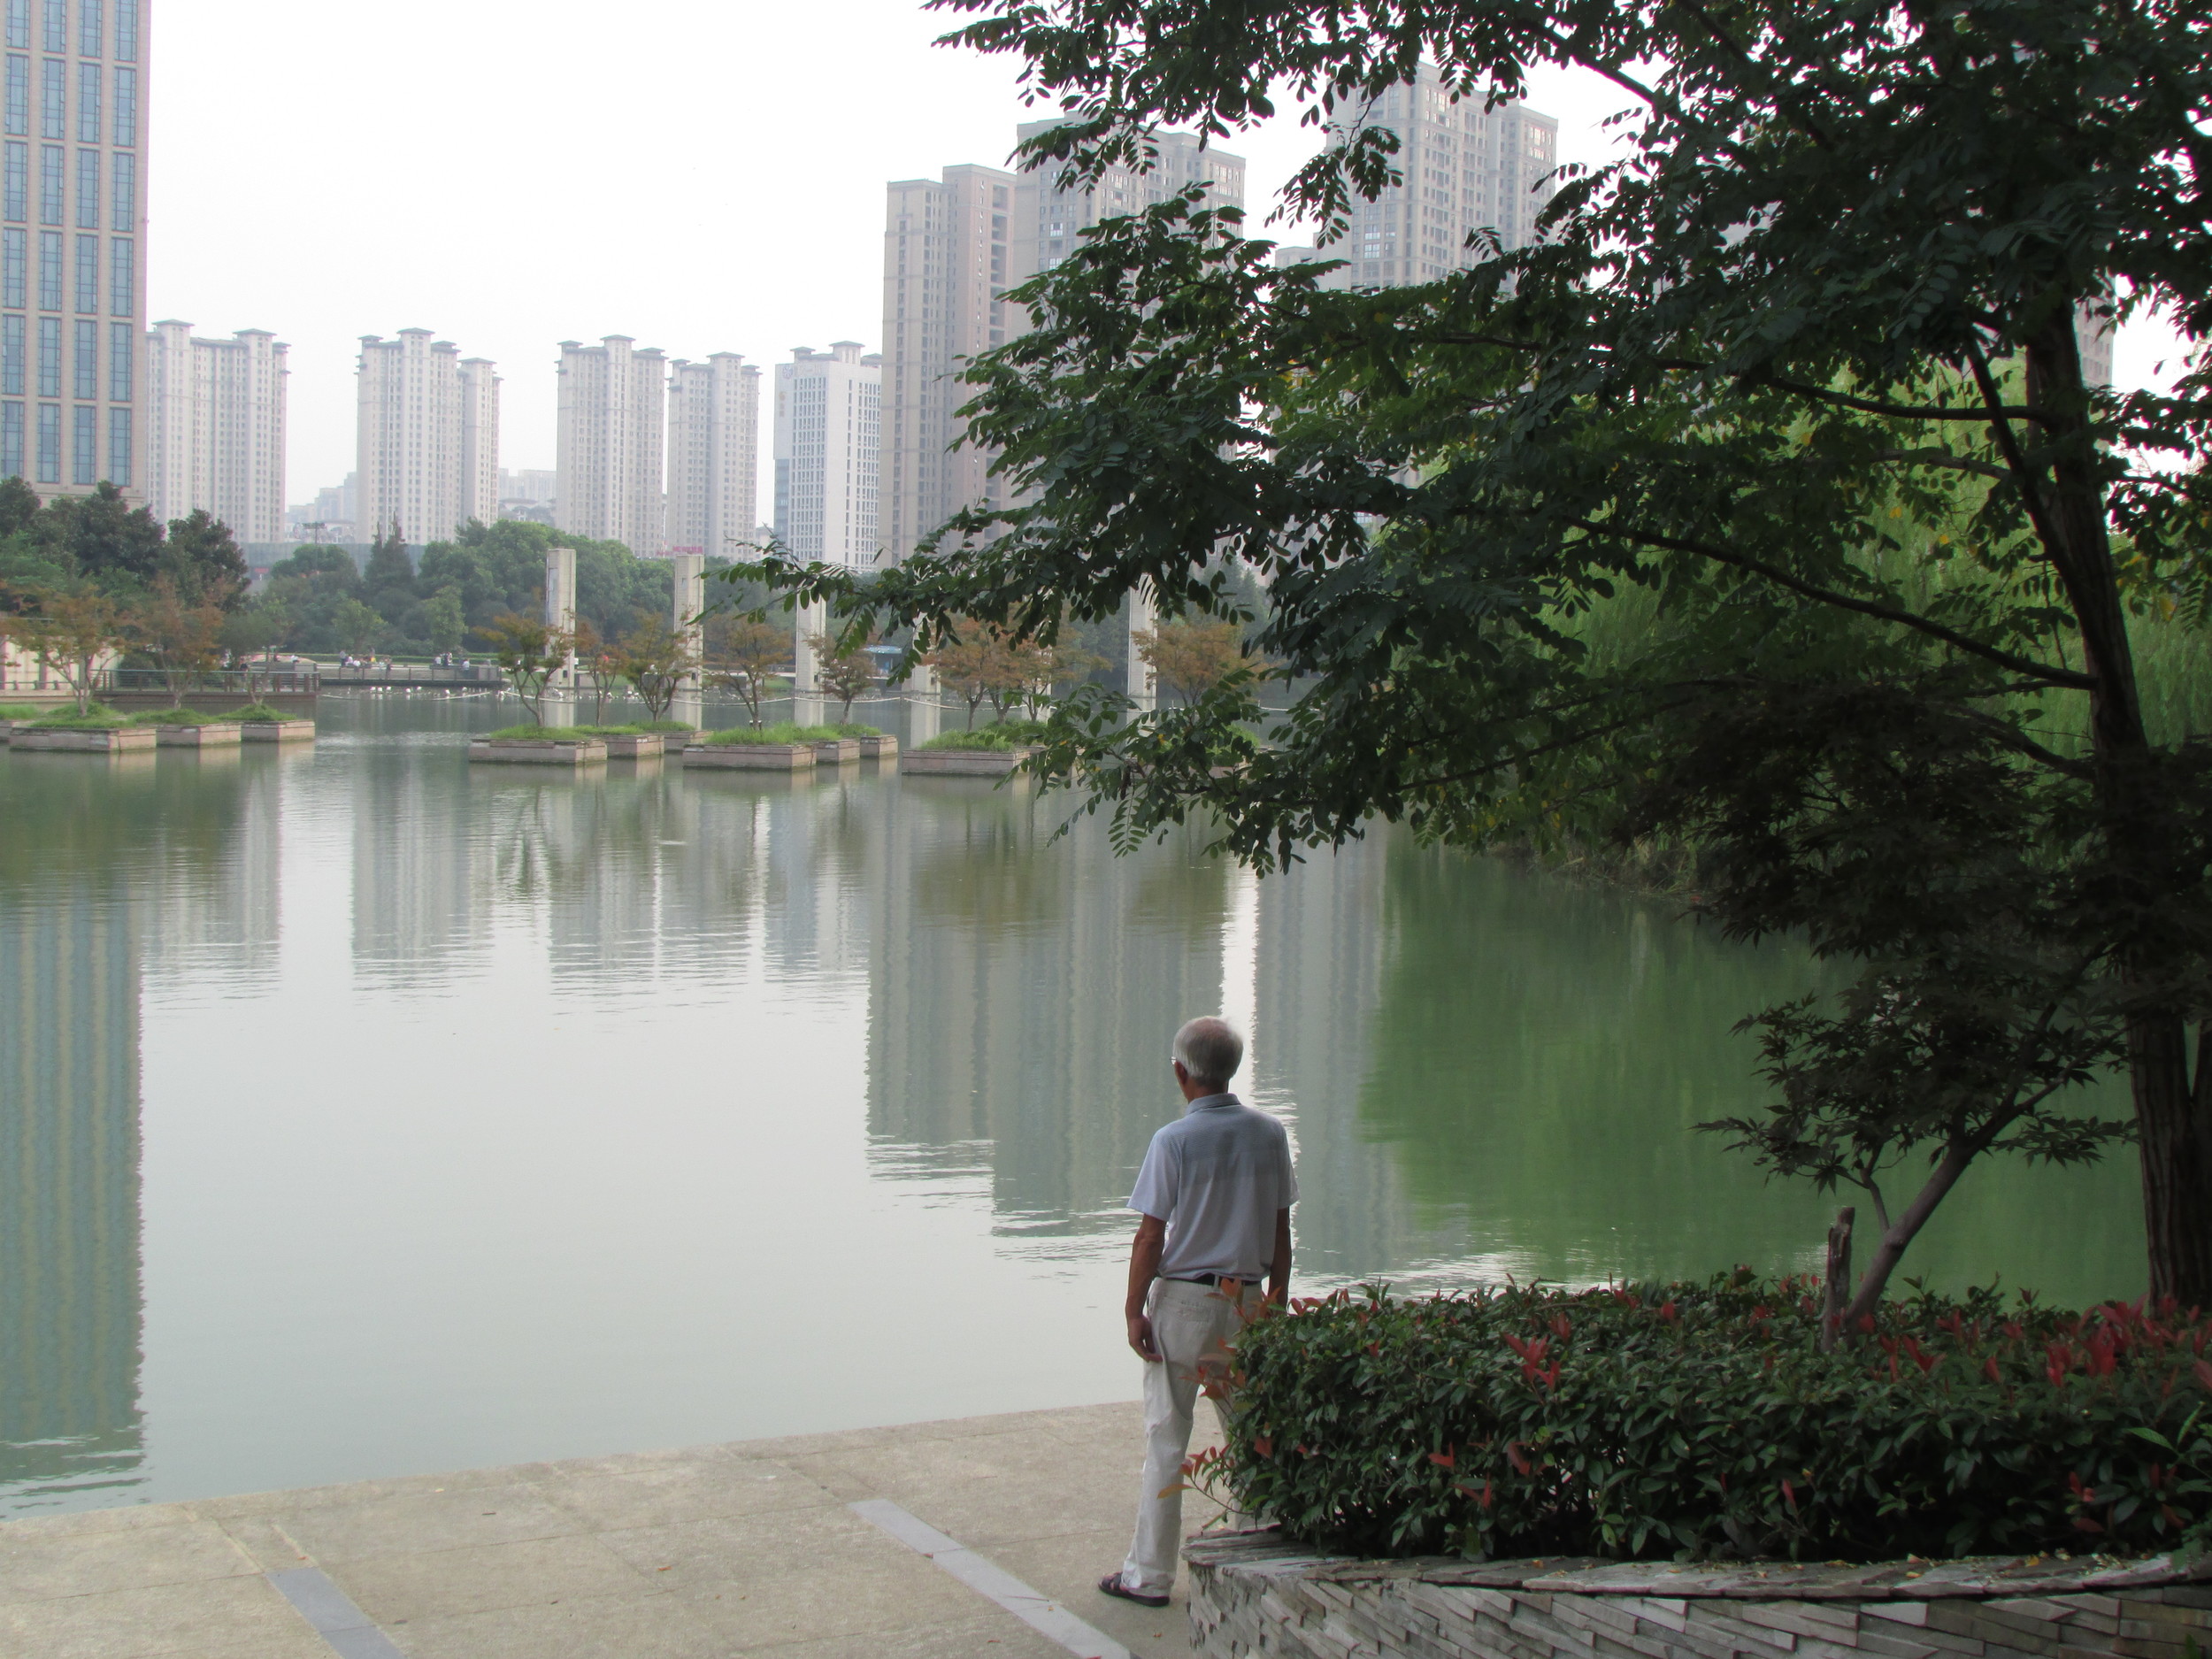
column 750, row 1547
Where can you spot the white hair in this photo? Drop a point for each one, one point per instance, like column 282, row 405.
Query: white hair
column 1210, row 1049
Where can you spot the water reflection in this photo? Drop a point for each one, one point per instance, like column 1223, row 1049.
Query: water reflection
column 484, row 1114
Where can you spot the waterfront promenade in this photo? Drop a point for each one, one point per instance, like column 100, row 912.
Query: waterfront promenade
column 807, row 1548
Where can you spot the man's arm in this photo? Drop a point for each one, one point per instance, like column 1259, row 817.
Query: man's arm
column 1144, row 1267
column 1279, row 1269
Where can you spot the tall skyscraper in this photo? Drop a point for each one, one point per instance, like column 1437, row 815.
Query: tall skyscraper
column 608, row 454
column 948, row 257
column 1463, row 169
column 73, row 244
column 829, row 449
column 1050, row 217
column 951, row 248
column 713, row 454
column 426, row 438
column 215, row 410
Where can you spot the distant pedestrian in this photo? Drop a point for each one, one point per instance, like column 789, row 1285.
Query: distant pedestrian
column 1215, row 1194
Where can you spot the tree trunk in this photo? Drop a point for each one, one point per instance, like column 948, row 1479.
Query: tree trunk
column 1891, row 1248
column 1838, row 1289
column 2173, row 1127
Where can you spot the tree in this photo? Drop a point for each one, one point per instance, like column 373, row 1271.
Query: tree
column 356, row 625
column 182, row 632
column 109, row 540
column 1534, row 536
column 202, row 561
column 742, row 652
column 1192, row 654
column 602, row 661
column 389, row 565
column 449, row 624
column 72, row 635
column 253, row 629
column 843, row 669
column 968, row 667
column 530, row 652
column 657, row 661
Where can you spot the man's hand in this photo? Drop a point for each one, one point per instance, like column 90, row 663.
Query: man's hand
column 1141, row 1338
column 1144, row 1267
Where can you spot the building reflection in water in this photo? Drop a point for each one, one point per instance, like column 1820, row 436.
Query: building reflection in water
column 69, row 1303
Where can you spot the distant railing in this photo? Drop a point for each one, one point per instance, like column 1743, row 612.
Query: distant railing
column 296, row 681
column 411, row 674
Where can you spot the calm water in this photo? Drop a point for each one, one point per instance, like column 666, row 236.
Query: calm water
column 362, row 1112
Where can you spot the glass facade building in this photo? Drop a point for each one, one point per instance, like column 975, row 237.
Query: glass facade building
column 73, row 243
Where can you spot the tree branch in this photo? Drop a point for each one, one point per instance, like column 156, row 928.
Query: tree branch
column 2026, row 665
column 1943, row 458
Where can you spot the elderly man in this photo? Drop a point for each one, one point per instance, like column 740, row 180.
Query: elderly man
column 1215, row 1194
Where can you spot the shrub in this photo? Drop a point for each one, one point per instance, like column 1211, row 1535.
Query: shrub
column 257, row 711
column 1003, row 734
column 854, row 728
column 1695, row 1421
column 608, row 731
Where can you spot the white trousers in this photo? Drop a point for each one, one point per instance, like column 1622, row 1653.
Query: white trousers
column 1192, row 1325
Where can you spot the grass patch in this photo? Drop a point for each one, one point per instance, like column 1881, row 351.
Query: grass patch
column 172, row 717
column 24, row 711
column 540, row 734
column 853, row 728
column 257, row 712
column 1001, row 735
column 98, row 718
column 609, row 731
column 782, row 731
column 664, row 725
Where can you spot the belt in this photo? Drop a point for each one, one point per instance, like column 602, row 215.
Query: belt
column 1216, row 1279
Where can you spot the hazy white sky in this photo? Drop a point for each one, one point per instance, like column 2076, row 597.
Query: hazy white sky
column 703, row 177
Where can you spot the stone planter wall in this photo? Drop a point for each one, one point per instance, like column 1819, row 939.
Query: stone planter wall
column 881, row 746
column 837, row 751
column 1256, row 1593
column 635, row 746
column 83, row 740
column 277, row 731
column 752, row 756
column 221, row 735
column 674, row 743
column 963, row 763
column 528, row 751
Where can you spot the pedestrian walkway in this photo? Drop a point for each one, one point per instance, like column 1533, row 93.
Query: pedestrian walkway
column 933, row 1540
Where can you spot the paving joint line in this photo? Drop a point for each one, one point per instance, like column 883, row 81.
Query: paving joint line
column 343, row 1627
column 987, row 1579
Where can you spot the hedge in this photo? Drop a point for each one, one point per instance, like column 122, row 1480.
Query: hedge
column 1700, row 1421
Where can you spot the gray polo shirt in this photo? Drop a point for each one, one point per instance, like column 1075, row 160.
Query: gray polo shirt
column 1217, row 1176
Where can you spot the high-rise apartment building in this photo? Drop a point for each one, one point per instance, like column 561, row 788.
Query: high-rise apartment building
column 426, row 438
column 829, row 454
column 215, row 415
column 951, row 248
column 713, row 454
column 613, row 401
column 73, row 243
column 1464, row 171
column 949, row 253
column 1050, row 217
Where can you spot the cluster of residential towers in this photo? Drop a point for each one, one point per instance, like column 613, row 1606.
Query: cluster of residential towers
column 660, row 454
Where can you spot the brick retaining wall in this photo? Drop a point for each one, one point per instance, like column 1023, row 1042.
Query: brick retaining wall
column 1258, row 1594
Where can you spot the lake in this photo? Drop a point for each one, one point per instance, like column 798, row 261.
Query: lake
column 364, row 1112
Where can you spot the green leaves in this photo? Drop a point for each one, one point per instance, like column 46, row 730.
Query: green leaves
column 1396, row 1426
